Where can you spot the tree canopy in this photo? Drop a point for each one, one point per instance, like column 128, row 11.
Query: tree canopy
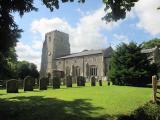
column 151, row 43
column 25, row 68
column 129, row 66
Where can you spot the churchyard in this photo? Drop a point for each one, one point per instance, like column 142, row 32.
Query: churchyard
column 73, row 102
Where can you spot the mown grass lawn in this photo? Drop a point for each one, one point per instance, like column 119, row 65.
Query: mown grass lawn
column 72, row 103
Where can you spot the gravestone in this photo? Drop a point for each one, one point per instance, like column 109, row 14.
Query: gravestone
column 28, row 83
column 100, row 82
column 93, row 81
column 80, row 81
column 12, row 86
column 56, row 82
column 43, row 83
column 69, row 81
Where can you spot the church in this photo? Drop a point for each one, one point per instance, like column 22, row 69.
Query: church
column 56, row 58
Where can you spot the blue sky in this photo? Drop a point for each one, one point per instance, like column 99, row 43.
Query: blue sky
column 84, row 25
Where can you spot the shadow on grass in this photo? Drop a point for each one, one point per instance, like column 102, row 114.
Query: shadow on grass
column 40, row 108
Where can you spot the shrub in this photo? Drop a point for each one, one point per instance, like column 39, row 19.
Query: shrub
column 12, row 86
column 43, row 83
column 149, row 111
column 93, row 81
column 129, row 66
column 69, row 81
column 28, row 83
column 56, row 82
column 81, row 81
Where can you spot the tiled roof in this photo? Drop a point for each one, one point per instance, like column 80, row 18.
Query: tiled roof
column 89, row 52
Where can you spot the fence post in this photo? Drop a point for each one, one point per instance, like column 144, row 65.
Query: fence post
column 154, row 88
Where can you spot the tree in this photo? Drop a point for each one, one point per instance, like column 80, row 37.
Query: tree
column 151, row 43
column 129, row 66
column 118, row 9
column 25, row 68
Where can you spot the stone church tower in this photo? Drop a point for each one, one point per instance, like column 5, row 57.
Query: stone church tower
column 56, row 45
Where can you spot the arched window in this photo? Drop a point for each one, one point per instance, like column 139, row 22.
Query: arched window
column 67, row 70
column 93, row 70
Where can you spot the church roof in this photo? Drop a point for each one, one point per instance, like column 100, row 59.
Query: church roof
column 149, row 50
column 106, row 53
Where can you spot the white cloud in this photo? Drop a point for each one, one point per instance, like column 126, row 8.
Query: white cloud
column 148, row 15
column 85, row 35
column 118, row 39
column 26, row 52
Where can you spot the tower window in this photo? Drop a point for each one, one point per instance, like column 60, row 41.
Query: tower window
column 49, row 38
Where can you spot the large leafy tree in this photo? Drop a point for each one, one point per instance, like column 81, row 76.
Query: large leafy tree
column 129, row 66
column 25, row 68
column 118, row 9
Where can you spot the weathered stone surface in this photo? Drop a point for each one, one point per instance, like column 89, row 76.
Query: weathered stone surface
column 28, row 83
column 80, row 81
column 69, row 81
column 56, row 82
column 12, row 86
column 100, row 82
column 43, row 83
column 93, row 81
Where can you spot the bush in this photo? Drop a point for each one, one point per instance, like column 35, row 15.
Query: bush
column 69, row 81
column 43, row 83
column 81, row 81
column 56, row 82
column 28, row 83
column 149, row 111
column 12, row 86
column 93, row 81
column 129, row 66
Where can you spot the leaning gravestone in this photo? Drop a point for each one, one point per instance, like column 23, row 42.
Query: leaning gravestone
column 56, row 82
column 100, row 82
column 12, row 86
column 93, row 81
column 28, row 83
column 43, row 83
column 69, row 81
column 80, row 81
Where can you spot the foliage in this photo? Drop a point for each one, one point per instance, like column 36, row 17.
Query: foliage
column 151, row 43
column 25, row 68
column 8, row 64
column 149, row 111
column 118, row 8
column 129, row 66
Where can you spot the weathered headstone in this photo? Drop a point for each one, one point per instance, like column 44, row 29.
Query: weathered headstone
column 93, row 81
column 80, row 81
column 100, row 82
column 43, row 83
column 69, row 81
column 12, row 86
column 28, row 83
column 56, row 82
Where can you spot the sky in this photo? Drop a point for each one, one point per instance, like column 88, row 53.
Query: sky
column 85, row 27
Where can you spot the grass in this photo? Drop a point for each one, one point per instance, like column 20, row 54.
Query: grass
column 77, row 103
